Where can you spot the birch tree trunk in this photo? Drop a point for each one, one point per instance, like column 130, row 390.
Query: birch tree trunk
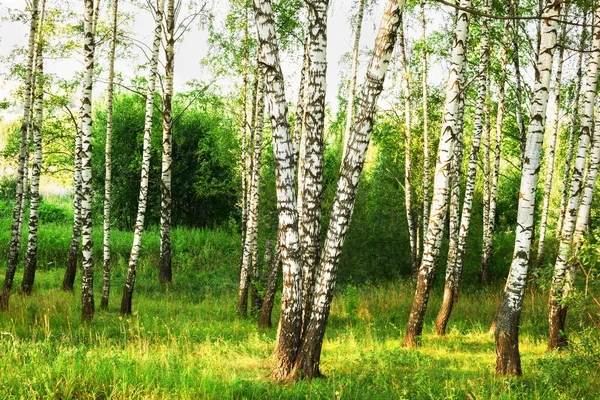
column 143, row 197
column 484, row 274
column 557, row 312
column 290, row 322
column 244, row 135
column 458, row 235
column 165, row 275
column 488, row 241
column 19, row 206
column 514, row 5
column 266, row 309
column 299, row 123
column 71, row 270
column 107, row 162
column 311, row 165
column 250, row 251
column 30, row 265
column 87, row 281
column 551, row 147
column 309, row 353
column 426, row 162
column 352, row 92
column 572, row 128
column 439, row 204
column 410, row 218
column 508, row 361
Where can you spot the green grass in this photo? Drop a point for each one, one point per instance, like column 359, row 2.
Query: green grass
column 187, row 342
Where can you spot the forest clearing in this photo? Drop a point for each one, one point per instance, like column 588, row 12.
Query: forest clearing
column 339, row 199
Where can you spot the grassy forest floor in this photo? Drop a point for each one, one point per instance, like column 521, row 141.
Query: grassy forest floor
column 187, row 342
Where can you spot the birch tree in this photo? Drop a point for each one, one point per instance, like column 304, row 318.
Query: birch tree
column 438, row 212
column 143, row 197
column 107, row 162
column 164, row 269
column 551, row 149
column 353, row 74
column 572, row 128
column 509, row 313
column 36, row 166
column 19, row 205
column 565, row 249
column 273, row 263
column 458, row 245
column 410, row 218
column 514, row 5
column 309, row 353
column 488, row 239
column 290, row 322
column 426, row 162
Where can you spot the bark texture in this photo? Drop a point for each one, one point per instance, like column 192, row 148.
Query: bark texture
column 426, row 162
column 439, row 204
column 273, row 263
column 107, row 162
column 507, row 326
column 19, row 206
column 143, row 197
column 309, row 354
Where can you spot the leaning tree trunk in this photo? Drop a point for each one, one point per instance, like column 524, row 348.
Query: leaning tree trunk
column 290, row 322
column 458, row 237
column 426, row 175
column 266, row 309
column 508, row 360
column 551, row 150
column 311, row 189
column 486, row 256
column 36, row 166
column 165, row 275
column 410, row 218
column 438, row 214
column 143, row 197
column 87, row 275
column 309, row 353
column 556, row 312
column 572, row 128
column 352, row 92
column 15, row 239
column 108, row 167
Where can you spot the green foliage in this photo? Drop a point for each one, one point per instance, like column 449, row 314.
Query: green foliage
column 205, row 181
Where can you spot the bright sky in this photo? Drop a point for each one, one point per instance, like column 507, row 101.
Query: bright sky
column 194, row 46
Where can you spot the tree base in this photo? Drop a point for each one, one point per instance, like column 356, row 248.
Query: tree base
column 126, row 302
column 508, row 360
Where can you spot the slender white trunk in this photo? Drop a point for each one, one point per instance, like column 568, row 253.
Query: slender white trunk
column 551, row 150
column 19, row 206
column 143, row 197
column 164, row 270
column 410, row 218
column 572, row 128
column 36, row 166
column 514, row 5
column 441, row 192
column 508, row 317
column 87, row 281
column 309, row 353
column 290, row 322
column 354, row 72
column 426, row 162
column 107, row 162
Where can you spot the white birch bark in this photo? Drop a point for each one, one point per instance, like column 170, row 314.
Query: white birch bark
column 164, row 270
column 439, row 204
column 311, row 189
column 426, row 162
column 19, row 206
column 290, row 322
column 508, row 317
column 309, row 353
column 353, row 74
column 87, row 281
column 551, row 149
column 143, row 197
column 30, row 265
column 107, row 161
column 566, row 237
